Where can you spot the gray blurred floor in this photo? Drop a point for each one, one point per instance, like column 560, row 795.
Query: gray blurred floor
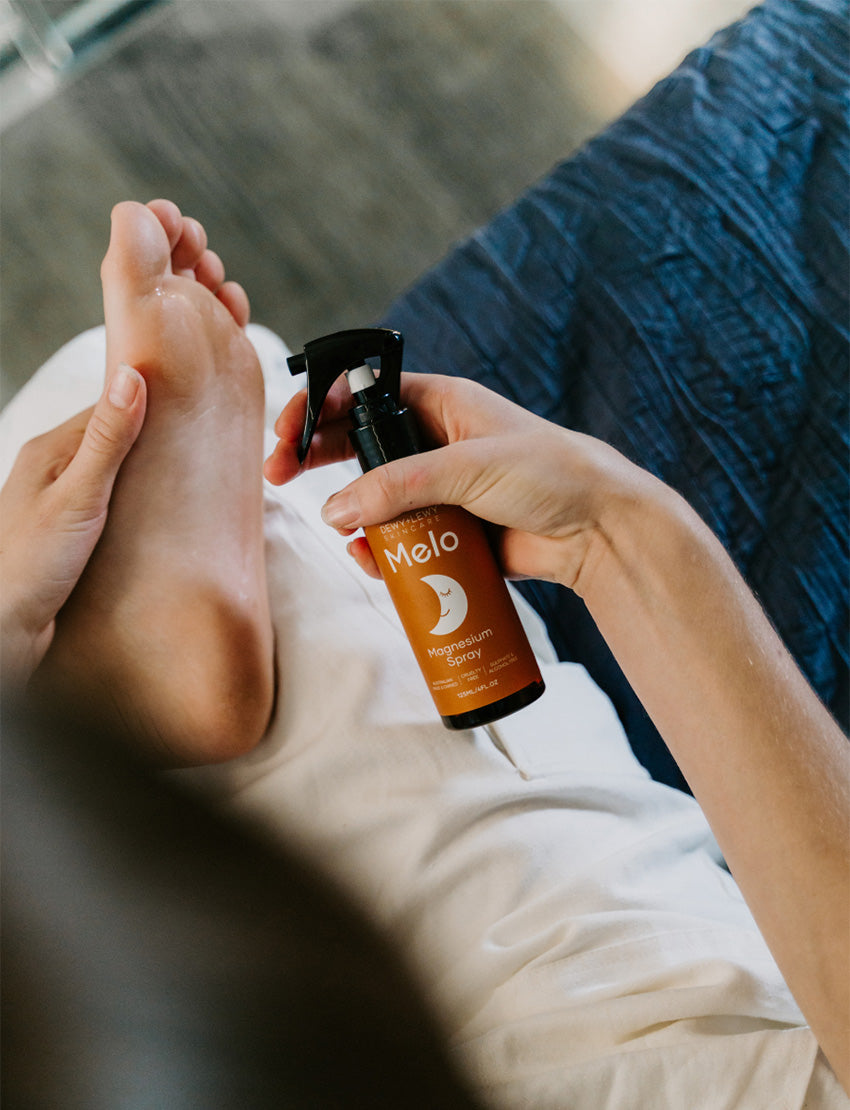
column 334, row 149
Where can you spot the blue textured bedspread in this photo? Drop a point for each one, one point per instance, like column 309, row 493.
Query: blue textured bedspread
column 679, row 288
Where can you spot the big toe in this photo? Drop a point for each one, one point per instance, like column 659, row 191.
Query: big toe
column 139, row 254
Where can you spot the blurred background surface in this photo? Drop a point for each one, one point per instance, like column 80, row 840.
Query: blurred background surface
column 334, row 149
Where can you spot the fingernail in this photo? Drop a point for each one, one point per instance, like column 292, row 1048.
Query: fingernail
column 342, row 510
column 124, row 386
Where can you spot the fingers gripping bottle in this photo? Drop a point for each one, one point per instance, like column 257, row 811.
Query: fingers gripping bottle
column 436, row 562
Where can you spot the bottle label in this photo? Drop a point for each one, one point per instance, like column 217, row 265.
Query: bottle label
column 454, row 606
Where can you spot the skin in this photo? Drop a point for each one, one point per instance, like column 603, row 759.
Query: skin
column 169, row 626
column 764, row 758
column 53, row 509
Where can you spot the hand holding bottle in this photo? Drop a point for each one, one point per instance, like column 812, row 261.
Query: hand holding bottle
column 550, row 489
column 458, row 616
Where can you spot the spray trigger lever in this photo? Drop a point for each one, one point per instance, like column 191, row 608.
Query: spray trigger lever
column 324, row 359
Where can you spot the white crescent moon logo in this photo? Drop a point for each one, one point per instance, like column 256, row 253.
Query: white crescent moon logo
column 453, row 603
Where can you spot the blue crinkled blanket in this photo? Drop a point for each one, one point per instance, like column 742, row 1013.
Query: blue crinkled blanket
column 679, row 288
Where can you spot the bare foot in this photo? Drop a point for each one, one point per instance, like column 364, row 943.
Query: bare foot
column 169, row 626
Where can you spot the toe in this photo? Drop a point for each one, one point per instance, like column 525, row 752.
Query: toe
column 169, row 215
column 235, row 300
column 139, row 253
column 190, row 247
column 210, row 271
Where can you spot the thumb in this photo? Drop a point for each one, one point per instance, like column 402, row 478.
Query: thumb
column 447, row 476
column 111, row 431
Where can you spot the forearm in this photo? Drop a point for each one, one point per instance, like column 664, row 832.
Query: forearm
column 763, row 757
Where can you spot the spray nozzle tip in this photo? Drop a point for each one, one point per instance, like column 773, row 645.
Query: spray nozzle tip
column 360, row 378
column 297, row 364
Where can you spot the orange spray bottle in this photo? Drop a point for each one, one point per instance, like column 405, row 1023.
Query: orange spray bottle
column 450, row 596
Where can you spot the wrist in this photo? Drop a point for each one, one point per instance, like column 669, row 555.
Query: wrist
column 22, row 645
column 661, row 588
column 647, row 544
column 626, row 512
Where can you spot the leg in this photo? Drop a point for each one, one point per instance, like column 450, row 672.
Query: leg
column 169, row 628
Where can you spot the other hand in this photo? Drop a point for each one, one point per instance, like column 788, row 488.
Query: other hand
column 52, row 511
